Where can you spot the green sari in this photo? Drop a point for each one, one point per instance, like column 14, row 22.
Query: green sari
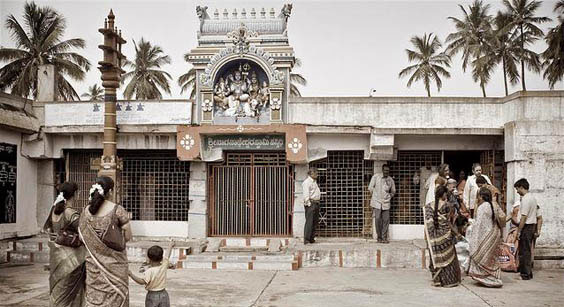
column 67, row 271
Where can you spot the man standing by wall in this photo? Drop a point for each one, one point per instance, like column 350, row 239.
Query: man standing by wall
column 471, row 188
column 312, row 195
column 382, row 188
column 527, row 228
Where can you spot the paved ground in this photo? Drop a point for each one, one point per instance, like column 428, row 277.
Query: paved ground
column 28, row 286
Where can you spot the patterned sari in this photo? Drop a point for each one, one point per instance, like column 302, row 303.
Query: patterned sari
column 440, row 239
column 484, row 241
column 66, row 264
column 107, row 282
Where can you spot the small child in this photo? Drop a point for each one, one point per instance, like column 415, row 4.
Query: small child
column 154, row 278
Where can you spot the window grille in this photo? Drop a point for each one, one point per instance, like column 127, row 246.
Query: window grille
column 405, row 207
column 153, row 185
column 345, row 203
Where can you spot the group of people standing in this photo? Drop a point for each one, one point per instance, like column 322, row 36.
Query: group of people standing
column 88, row 260
column 477, row 216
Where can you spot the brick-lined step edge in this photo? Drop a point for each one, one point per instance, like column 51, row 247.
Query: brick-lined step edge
column 251, row 242
column 241, row 262
column 364, row 258
column 38, row 252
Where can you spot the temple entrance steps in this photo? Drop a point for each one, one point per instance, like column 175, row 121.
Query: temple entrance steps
column 243, row 254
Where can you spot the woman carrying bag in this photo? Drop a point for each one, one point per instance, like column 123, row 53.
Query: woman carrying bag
column 66, row 252
column 104, row 229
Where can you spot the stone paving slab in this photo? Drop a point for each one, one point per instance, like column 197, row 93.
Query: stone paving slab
column 325, row 287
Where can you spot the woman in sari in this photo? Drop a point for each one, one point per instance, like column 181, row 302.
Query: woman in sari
column 484, row 241
column 66, row 264
column 106, row 278
column 445, row 269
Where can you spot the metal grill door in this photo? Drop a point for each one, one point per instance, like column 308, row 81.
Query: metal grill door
column 250, row 199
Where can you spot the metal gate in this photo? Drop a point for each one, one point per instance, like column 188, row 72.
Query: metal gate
column 345, row 202
column 251, row 194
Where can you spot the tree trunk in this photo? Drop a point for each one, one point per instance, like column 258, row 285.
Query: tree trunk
column 504, row 75
column 483, row 89
column 428, row 92
column 523, row 59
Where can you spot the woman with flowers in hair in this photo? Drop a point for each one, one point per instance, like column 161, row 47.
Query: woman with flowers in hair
column 66, row 257
column 104, row 229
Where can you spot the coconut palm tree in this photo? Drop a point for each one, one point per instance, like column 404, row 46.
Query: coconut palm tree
column 146, row 78
column 553, row 56
column 187, row 81
column 430, row 62
column 525, row 22
column 470, row 38
column 502, row 48
column 94, row 93
column 295, row 80
column 39, row 40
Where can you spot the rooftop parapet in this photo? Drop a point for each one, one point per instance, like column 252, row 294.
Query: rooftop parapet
column 257, row 20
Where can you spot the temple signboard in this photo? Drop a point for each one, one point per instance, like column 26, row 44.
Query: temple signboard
column 128, row 113
column 244, row 142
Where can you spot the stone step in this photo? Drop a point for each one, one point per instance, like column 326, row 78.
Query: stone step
column 28, row 257
column 243, row 249
column 270, row 265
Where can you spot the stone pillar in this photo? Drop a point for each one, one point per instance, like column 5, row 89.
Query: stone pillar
column 45, row 190
column 46, row 83
column 298, row 218
column 198, row 213
column 534, row 149
column 110, row 67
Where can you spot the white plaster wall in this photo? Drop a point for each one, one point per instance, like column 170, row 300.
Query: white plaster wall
column 160, row 228
column 448, row 142
column 26, row 198
column 535, row 150
column 319, row 144
column 398, row 112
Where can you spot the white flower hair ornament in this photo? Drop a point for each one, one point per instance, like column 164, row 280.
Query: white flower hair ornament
column 95, row 187
column 59, row 199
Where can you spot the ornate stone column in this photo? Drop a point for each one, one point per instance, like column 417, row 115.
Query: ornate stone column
column 110, row 67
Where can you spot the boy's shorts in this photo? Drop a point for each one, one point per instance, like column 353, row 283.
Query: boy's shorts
column 157, row 299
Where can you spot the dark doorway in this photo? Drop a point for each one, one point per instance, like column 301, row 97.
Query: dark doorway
column 461, row 160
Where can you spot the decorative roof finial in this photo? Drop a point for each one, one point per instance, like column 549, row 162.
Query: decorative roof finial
column 225, row 14
column 105, row 23
column 111, row 18
column 244, row 14
column 253, row 13
column 216, row 14
column 272, row 13
column 263, row 13
column 234, row 13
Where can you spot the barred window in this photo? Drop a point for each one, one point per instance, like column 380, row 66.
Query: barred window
column 345, row 202
column 153, row 185
column 406, row 171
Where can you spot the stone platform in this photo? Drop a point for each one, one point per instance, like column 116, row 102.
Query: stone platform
column 269, row 253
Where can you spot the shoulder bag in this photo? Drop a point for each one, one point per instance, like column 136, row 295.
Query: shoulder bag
column 113, row 235
column 66, row 237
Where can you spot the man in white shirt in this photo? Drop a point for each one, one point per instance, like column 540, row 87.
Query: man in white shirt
column 382, row 188
column 312, row 195
column 471, row 188
column 527, row 227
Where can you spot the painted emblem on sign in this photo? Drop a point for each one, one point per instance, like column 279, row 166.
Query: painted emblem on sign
column 187, row 142
column 295, row 145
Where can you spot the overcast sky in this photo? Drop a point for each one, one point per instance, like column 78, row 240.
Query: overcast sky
column 347, row 47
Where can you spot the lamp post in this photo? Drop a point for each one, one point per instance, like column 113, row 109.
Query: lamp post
column 110, row 67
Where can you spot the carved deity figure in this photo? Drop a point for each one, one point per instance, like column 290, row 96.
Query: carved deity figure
column 240, row 93
column 220, row 94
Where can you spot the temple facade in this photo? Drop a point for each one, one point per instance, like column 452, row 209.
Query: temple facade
column 230, row 163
